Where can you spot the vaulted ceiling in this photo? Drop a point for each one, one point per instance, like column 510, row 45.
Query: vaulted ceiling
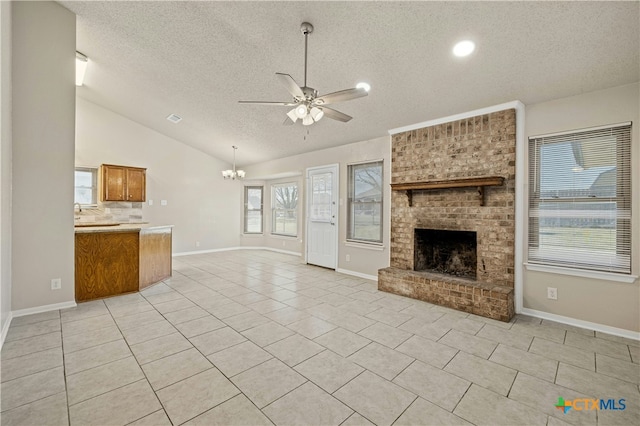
column 198, row 59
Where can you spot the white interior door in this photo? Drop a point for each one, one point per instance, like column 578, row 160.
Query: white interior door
column 322, row 216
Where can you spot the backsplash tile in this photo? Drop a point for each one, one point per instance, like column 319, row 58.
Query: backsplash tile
column 117, row 211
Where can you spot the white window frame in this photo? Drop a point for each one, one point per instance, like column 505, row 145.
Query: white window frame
column 574, row 258
column 93, row 187
column 351, row 168
column 247, row 210
column 275, row 210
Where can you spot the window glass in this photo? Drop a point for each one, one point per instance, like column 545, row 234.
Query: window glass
column 365, row 202
column 580, row 199
column 321, row 187
column 86, row 186
column 253, row 209
column 284, row 211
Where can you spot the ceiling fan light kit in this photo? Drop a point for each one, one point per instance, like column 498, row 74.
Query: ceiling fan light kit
column 316, row 113
column 308, row 106
column 301, row 111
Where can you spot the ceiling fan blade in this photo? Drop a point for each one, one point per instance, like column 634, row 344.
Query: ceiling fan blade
column 336, row 115
column 268, row 103
column 341, row 96
column 291, row 85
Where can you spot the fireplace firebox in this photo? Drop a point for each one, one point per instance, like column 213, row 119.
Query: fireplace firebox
column 446, row 252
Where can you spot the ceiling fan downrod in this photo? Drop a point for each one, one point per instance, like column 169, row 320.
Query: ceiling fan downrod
column 306, row 29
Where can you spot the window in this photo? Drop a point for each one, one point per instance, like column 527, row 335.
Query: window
column 365, row 202
column 580, row 199
column 86, row 192
column 284, row 209
column 253, row 210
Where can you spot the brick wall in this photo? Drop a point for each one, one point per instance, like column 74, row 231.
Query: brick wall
column 474, row 147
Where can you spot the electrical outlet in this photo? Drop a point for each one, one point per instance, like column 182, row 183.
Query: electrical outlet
column 552, row 293
column 348, row 258
column 197, row 243
column 56, row 284
column 163, row 202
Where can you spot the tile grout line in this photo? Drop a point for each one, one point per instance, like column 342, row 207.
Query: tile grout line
column 347, row 405
column 64, row 372
column 449, row 362
column 513, row 382
column 405, row 409
column 35, row 352
column 400, row 372
column 144, row 374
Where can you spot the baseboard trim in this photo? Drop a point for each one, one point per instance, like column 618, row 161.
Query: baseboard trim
column 187, row 253
column 293, row 253
column 357, row 274
column 43, row 308
column 634, row 335
column 5, row 329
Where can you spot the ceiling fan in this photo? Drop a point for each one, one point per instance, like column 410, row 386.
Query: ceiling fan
column 308, row 106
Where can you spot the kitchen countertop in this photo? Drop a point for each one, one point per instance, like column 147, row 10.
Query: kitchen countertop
column 123, row 227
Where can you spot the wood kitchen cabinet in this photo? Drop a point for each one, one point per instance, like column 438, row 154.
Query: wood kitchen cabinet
column 122, row 183
column 119, row 261
column 106, row 264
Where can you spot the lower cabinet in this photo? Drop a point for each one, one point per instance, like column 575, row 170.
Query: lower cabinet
column 112, row 263
column 155, row 255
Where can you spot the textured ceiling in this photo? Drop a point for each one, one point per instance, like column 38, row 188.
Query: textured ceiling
column 197, row 59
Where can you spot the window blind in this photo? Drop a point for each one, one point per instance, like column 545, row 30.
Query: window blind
column 580, row 199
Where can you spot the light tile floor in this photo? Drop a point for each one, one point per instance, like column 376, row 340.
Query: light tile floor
column 255, row 337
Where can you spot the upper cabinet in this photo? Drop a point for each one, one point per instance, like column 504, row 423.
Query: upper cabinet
column 121, row 183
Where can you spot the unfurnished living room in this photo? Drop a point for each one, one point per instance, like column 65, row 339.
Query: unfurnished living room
column 319, row 213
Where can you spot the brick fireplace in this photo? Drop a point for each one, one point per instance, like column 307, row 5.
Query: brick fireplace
column 453, row 215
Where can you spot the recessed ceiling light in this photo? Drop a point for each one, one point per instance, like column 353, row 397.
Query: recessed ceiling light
column 464, row 48
column 363, row 85
column 175, row 119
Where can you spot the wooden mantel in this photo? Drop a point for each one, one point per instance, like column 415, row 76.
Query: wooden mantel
column 479, row 182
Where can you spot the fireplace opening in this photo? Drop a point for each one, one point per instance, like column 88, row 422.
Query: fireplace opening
column 446, row 252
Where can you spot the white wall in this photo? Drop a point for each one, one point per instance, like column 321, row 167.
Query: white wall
column 599, row 301
column 363, row 260
column 5, row 163
column 203, row 206
column 43, row 69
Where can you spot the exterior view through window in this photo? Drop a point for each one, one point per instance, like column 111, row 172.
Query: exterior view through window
column 580, row 199
column 284, row 214
column 86, row 186
column 365, row 202
column 253, row 209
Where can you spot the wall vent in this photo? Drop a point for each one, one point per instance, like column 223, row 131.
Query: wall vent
column 175, row 119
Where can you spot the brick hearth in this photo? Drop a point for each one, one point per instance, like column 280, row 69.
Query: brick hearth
column 470, row 148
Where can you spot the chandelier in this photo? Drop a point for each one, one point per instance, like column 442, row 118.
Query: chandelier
column 233, row 174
